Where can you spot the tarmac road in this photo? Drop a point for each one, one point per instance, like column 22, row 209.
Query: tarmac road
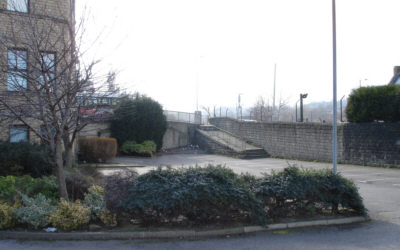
column 379, row 187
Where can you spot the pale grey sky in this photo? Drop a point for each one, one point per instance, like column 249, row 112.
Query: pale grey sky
column 159, row 46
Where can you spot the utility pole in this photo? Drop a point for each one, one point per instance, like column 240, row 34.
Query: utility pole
column 341, row 109
column 239, row 111
column 273, row 101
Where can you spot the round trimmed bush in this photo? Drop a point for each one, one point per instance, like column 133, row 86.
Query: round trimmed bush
column 138, row 120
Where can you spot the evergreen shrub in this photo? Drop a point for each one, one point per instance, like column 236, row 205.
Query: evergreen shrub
column 97, row 149
column 295, row 191
column 23, row 158
column 95, row 201
column 6, row 216
column 70, row 216
column 377, row 103
column 215, row 194
column 11, row 187
column 139, row 119
column 146, row 148
column 200, row 195
column 35, row 212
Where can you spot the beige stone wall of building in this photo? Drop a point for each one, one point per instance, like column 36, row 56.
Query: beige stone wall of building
column 46, row 15
column 46, row 8
column 96, row 129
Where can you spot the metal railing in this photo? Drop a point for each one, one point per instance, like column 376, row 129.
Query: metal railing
column 177, row 116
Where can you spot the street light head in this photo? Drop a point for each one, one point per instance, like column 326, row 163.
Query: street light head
column 304, row 96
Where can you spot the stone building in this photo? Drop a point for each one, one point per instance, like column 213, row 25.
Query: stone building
column 396, row 75
column 35, row 36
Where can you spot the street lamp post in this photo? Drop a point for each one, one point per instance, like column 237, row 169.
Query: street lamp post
column 302, row 96
column 296, row 110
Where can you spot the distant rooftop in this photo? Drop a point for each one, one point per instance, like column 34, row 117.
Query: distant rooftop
column 396, row 76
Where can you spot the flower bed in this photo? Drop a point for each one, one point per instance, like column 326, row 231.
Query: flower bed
column 194, row 196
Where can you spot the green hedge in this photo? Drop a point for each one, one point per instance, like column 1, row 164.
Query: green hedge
column 146, row 148
column 378, row 103
column 23, row 158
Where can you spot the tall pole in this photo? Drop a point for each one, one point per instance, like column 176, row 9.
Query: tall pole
column 301, row 108
column 273, row 104
column 197, row 90
column 334, row 153
column 341, row 109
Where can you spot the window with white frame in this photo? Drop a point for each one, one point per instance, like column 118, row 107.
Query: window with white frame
column 18, row 5
column 19, row 133
column 17, row 69
column 48, row 67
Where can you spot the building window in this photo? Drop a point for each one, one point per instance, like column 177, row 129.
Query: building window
column 48, row 67
column 19, row 134
column 18, row 5
column 17, row 69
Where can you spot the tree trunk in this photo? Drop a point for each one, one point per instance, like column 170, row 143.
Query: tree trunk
column 69, row 154
column 69, row 157
column 62, row 187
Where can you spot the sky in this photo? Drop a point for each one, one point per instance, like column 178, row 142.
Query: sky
column 181, row 51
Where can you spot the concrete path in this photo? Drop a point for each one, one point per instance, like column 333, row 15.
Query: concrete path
column 379, row 187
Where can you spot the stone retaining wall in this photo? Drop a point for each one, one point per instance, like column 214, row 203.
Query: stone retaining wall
column 365, row 144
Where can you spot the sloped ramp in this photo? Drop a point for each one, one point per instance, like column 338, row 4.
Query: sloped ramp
column 215, row 140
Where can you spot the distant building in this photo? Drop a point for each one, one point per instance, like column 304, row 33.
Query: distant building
column 396, row 76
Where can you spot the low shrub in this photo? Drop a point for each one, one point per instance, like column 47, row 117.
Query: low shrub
column 36, row 211
column 11, row 187
column 97, row 149
column 70, row 216
column 295, row 191
column 79, row 180
column 23, row 158
column 117, row 187
column 146, row 148
column 201, row 195
column 6, row 216
column 94, row 200
column 108, row 218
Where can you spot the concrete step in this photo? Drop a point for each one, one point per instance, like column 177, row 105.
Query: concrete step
column 208, row 128
column 230, row 144
column 253, row 154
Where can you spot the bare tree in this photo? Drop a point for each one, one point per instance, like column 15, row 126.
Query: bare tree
column 282, row 106
column 47, row 82
column 261, row 110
